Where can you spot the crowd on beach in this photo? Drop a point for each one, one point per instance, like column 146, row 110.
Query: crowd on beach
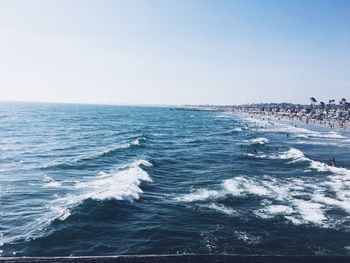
column 332, row 115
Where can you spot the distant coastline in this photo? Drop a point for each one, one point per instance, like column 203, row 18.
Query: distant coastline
column 331, row 115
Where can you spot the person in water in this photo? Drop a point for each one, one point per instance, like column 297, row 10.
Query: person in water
column 255, row 151
column 333, row 162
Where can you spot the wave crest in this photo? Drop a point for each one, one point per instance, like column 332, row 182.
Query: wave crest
column 260, row 140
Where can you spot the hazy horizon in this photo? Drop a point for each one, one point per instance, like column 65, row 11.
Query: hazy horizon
column 174, row 52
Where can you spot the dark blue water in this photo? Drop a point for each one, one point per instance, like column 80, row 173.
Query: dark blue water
column 110, row 180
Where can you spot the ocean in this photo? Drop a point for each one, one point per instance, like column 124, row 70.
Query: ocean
column 81, row 180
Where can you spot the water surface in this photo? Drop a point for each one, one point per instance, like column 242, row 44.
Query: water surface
column 109, row 180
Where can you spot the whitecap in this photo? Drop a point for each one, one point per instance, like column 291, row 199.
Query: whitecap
column 123, row 184
column 310, row 211
column 260, row 140
column 138, row 141
column 50, row 182
column 198, row 195
column 293, row 154
column 247, row 238
column 239, row 186
column 119, row 185
column 220, row 208
column 343, row 204
column 277, row 210
column 273, row 126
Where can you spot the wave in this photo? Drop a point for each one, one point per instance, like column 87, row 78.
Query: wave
column 238, row 129
column 135, row 142
column 260, row 140
column 273, row 210
column 287, row 192
column 297, row 200
column 298, row 132
column 239, row 186
column 138, row 141
column 50, row 182
column 294, row 155
column 198, row 195
column 106, row 153
column 220, row 208
column 247, row 238
column 122, row 185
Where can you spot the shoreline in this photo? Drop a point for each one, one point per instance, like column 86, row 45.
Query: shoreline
column 334, row 117
column 330, row 124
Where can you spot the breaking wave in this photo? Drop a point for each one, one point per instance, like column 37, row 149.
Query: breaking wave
column 299, row 132
column 260, row 140
column 123, row 185
column 299, row 200
column 89, row 157
column 198, row 195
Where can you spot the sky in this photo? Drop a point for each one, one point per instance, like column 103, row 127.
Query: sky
column 174, row 51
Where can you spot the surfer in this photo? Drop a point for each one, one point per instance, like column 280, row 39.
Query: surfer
column 255, row 151
column 333, row 162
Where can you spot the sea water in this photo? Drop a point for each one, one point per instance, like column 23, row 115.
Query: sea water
column 109, row 180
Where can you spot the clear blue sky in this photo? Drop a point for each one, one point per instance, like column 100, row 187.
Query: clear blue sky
column 174, row 52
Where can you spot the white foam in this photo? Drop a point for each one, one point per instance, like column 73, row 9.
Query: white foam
column 240, row 186
column 138, row 141
column 260, row 140
column 274, row 126
column 310, row 211
column 294, row 154
column 248, row 238
column 120, row 185
column 123, row 184
column 198, row 195
column 303, row 200
column 322, row 167
column 279, row 210
column 239, row 129
column 141, row 162
column 270, row 211
column 50, row 182
column 232, row 186
column 221, row 208
column 224, row 115
column 343, row 204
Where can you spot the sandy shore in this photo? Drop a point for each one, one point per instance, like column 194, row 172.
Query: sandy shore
column 333, row 116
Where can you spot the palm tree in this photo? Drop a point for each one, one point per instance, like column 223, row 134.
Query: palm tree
column 331, row 101
column 313, row 100
column 343, row 102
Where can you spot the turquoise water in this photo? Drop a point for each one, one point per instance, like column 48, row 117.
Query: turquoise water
column 109, row 180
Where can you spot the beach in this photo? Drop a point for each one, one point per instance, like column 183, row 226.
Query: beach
column 333, row 116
